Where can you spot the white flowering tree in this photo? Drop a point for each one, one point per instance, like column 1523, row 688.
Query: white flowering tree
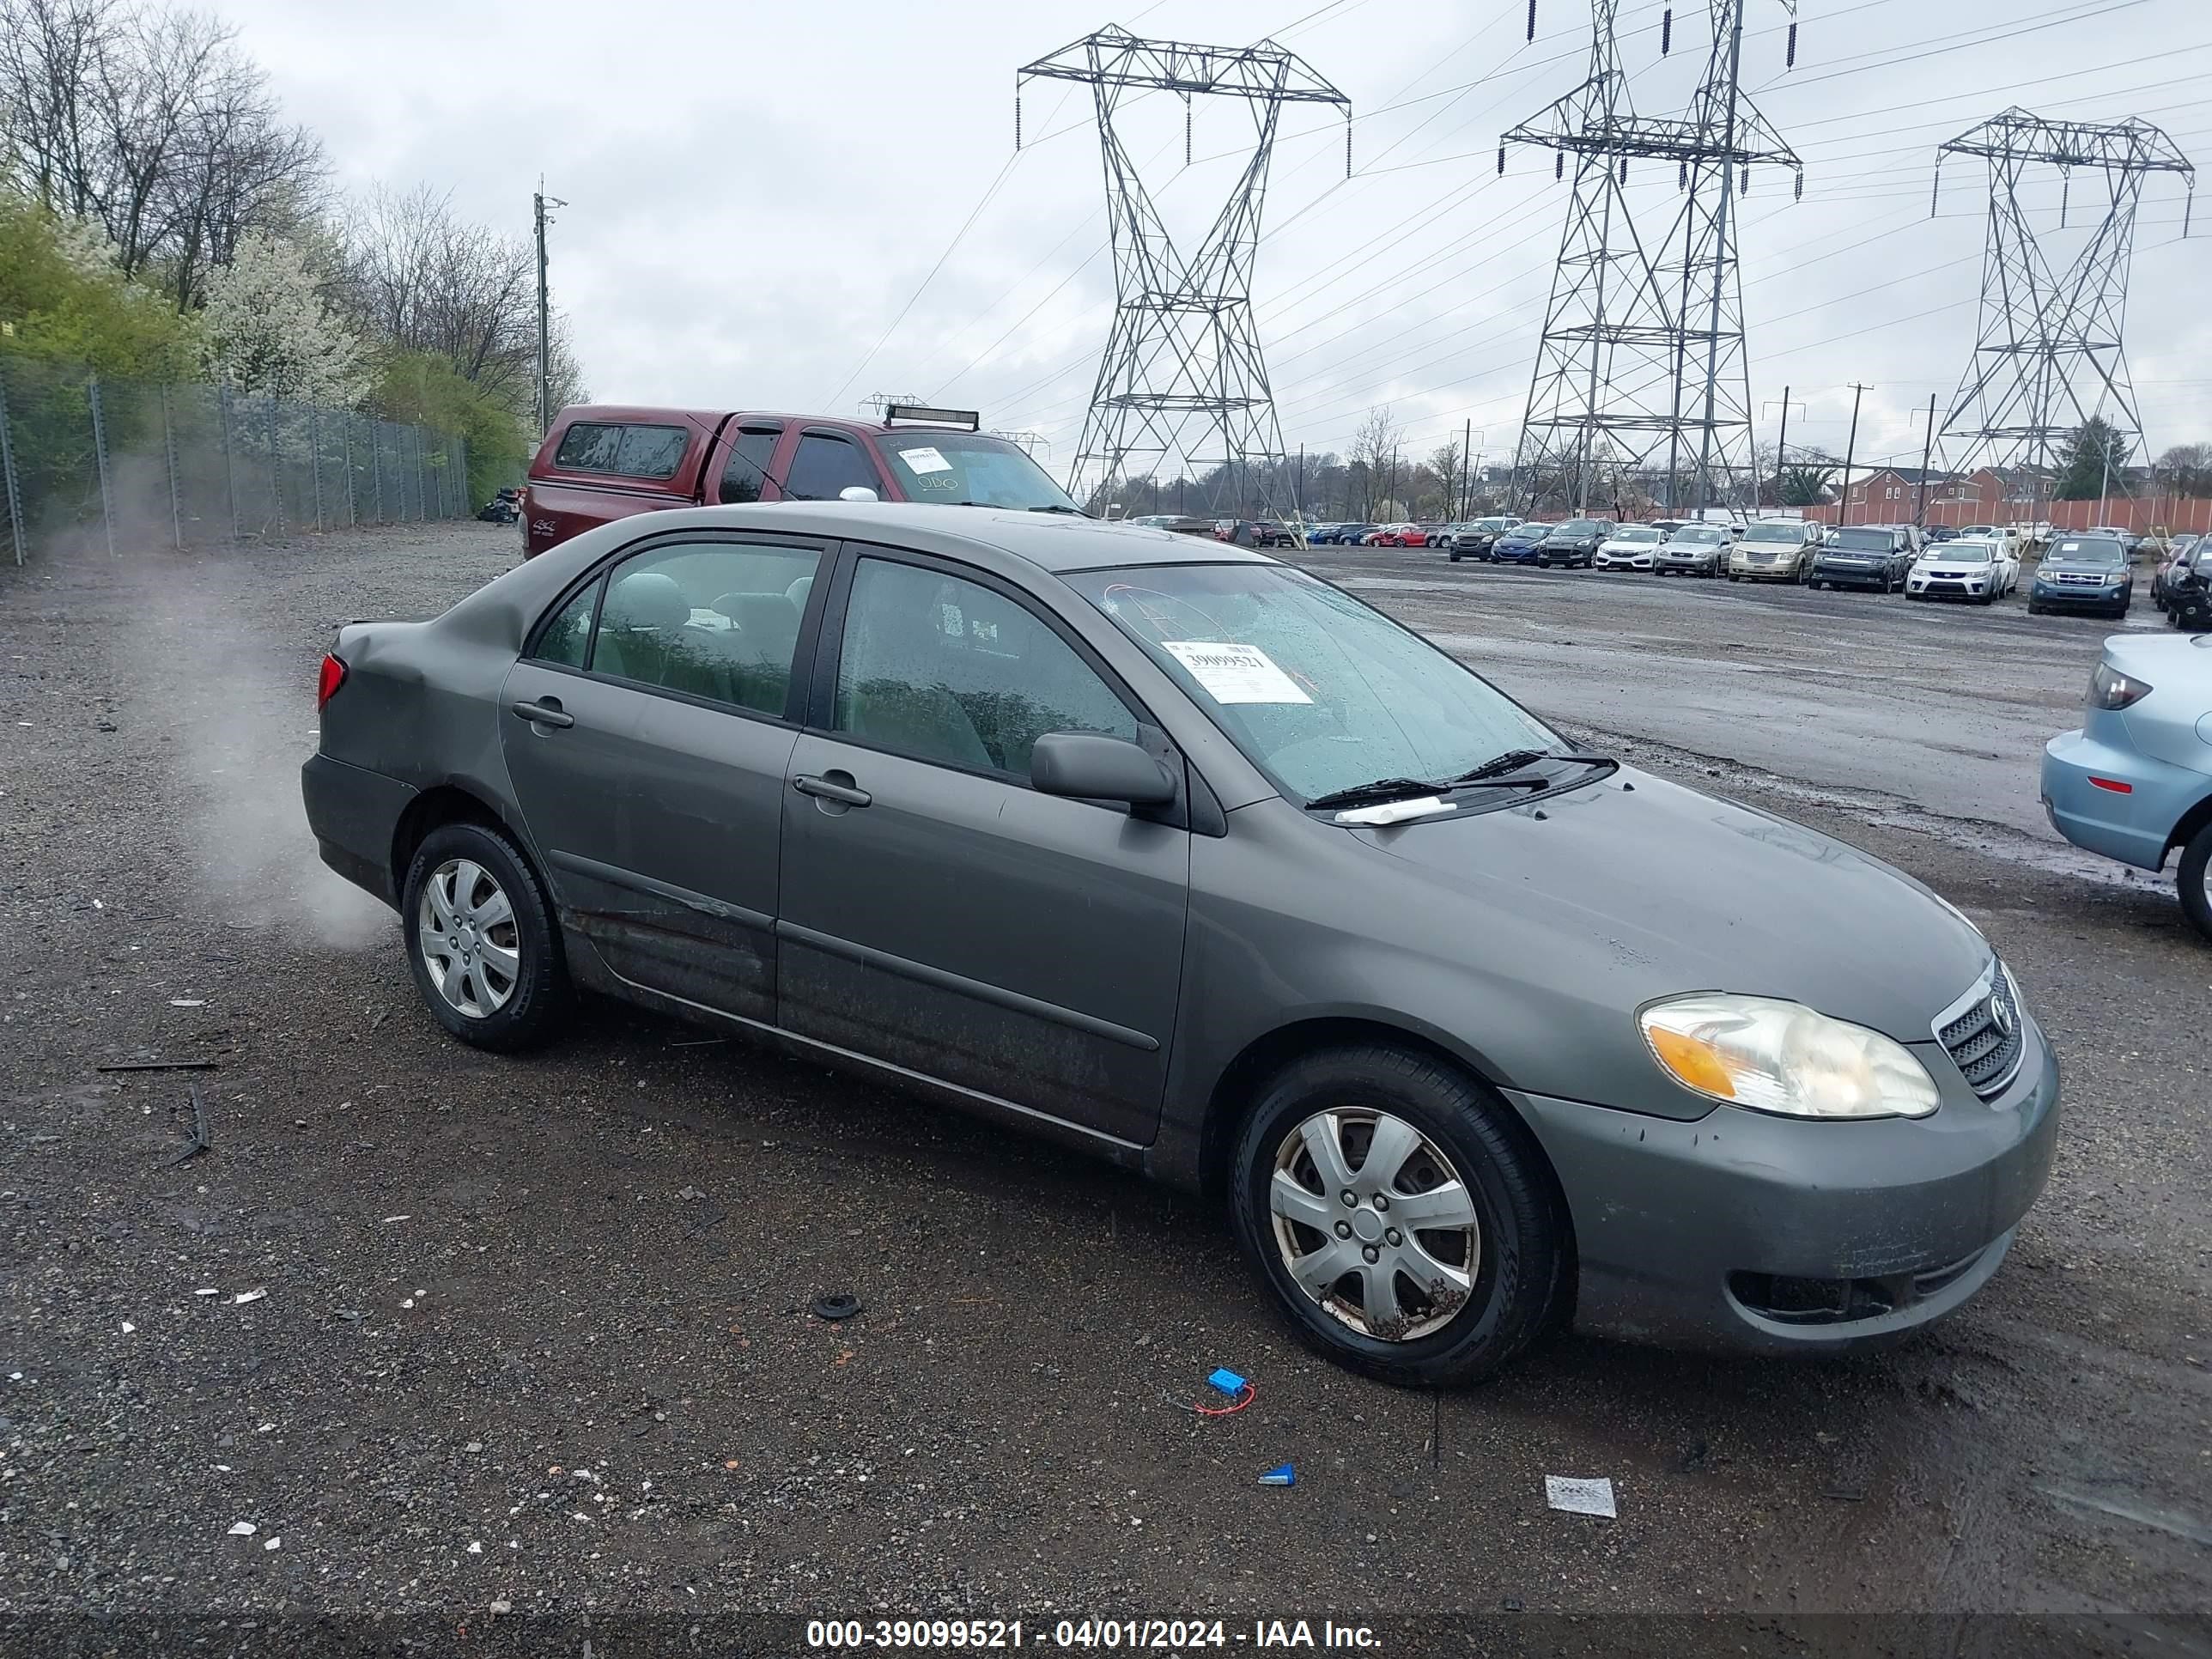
column 267, row 329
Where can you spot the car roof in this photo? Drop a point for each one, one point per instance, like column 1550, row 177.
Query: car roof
column 1050, row 541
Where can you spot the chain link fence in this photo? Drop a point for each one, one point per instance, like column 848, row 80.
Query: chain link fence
column 130, row 464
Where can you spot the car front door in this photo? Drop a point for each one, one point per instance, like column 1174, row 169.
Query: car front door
column 647, row 730
column 937, row 912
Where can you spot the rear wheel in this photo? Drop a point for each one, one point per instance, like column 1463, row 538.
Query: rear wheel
column 481, row 939
column 1400, row 1213
column 2197, row 880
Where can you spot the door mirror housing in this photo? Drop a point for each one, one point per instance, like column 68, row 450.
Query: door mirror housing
column 1087, row 766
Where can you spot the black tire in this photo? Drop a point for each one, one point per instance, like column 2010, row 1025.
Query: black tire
column 2196, row 904
column 1523, row 1258
column 540, row 991
column 1814, row 585
column 1734, row 577
column 2033, row 608
column 1454, row 556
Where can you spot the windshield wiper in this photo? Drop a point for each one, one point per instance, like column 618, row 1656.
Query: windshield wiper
column 1379, row 790
column 1493, row 772
column 1054, row 506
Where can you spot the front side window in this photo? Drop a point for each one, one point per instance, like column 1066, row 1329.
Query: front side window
column 717, row 620
column 966, row 469
column 825, row 466
column 747, row 468
column 948, row 671
column 1319, row 691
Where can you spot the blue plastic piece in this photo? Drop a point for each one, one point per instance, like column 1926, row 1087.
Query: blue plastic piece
column 1283, row 1475
column 1228, row 1382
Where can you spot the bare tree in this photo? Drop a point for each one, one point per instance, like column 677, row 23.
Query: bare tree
column 424, row 279
column 157, row 125
column 1373, row 453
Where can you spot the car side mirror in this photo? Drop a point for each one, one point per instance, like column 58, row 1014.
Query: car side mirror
column 1087, row 766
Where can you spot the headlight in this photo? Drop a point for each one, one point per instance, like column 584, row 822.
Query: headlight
column 1783, row 1057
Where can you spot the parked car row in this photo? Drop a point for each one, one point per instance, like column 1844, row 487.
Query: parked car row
column 1978, row 563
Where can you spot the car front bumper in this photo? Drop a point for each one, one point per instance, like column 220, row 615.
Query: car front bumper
column 2131, row 825
column 1852, row 576
column 2089, row 599
column 1688, row 1232
column 1956, row 587
column 355, row 815
column 1624, row 561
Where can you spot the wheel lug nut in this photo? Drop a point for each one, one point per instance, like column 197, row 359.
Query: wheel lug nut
column 1344, row 1229
column 1382, row 1200
column 1351, row 1199
column 1394, row 1237
column 1372, row 1253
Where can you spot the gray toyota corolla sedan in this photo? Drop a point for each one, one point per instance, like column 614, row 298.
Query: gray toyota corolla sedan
column 1177, row 854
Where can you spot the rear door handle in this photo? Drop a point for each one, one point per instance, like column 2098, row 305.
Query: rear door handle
column 829, row 791
column 547, row 713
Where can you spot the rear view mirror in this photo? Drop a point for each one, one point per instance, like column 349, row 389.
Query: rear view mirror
column 1086, row 766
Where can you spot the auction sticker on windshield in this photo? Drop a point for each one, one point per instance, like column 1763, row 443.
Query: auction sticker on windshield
column 1234, row 673
column 927, row 458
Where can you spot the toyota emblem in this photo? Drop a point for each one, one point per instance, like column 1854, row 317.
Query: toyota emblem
column 2000, row 1014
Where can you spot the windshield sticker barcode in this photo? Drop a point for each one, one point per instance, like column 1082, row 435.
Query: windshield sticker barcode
column 925, row 460
column 1234, row 673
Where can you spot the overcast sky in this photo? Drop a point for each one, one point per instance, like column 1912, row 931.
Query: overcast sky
column 756, row 193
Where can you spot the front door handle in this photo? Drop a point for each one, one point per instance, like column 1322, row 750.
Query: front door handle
column 547, row 713
column 824, row 789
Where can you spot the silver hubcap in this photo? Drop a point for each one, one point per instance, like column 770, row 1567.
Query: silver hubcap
column 1375, row 1223
column 466, row 927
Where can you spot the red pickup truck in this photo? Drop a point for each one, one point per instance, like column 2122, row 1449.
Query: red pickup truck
column 605, row 461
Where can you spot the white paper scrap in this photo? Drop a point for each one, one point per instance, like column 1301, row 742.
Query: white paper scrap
column 1234, row 673
column 1396, row 812
column 927, row 458
column 1580, row 1497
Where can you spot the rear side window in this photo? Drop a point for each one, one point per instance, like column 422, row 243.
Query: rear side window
column 566, row 639
column 714, row 620
column 825, row 465
column 748, row 463
column 628, row 449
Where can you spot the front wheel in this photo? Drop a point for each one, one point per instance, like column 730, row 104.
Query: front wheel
column 481, row 939
column 2197, row 880
column 1401, row 1214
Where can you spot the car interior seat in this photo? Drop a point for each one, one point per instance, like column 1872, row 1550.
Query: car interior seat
column 644, row 611
column 763, row 634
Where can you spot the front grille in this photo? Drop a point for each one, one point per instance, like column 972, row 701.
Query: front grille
column 2071, row 579
column 1986, row 1040
column 1787, row 1299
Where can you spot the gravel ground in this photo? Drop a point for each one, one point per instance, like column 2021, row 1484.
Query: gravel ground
column 448, row 1330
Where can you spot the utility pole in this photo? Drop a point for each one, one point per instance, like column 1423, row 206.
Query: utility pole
column 1850, row 449
column 538, row 203
column 1465, row 439
column 1781, row 454
column 1298, row 489
column 1927, row 453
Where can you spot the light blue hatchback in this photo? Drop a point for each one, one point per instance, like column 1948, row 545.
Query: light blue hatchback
column 2135, row 782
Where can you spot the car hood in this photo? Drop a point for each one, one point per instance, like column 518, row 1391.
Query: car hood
column 2082, row 566
column 1629, row 894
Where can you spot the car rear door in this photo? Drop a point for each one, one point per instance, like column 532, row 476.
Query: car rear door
column 934, row 910
column 647, row 732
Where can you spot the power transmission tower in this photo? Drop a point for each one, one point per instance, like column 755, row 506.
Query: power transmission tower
column 2047, row 354
column 1182, row 375
column 1642, row 349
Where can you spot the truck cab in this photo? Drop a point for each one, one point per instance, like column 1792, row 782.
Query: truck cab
column 605, row 461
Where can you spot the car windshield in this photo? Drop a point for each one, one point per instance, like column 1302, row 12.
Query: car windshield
column 969, row 470
column 1864, row 541
column 1636, row 533
column 1967, row 552
column 1319, row 691
column 1581, row 527
column 2085, row 550
column 1698, row 535
column 1531, row 531
column 1789, row 534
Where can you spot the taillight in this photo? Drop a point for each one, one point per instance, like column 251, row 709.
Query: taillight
column 333, row 676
